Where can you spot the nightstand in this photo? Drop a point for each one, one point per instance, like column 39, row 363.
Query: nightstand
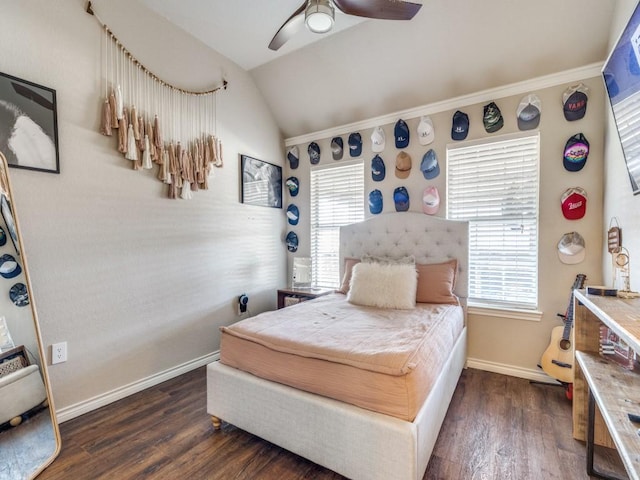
column 291, row 296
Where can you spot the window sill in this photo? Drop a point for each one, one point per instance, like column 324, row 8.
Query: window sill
column 501, row 312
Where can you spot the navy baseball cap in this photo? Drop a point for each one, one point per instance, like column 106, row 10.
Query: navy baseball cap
column 574, row 102
column 375, row 201
column 401, row 132
column 355, row 144
column 429, row 165
column 378, row 169
column 401, row 199
column 293, row 214
column 3, row 237
column 459, row 126
column 314, row 153
column 9, row 268
column 292, row 241
column 576, row 151
column 293, row 156
column 293, row 185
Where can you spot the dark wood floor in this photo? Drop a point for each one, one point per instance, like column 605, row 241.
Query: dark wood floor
column 497, row 427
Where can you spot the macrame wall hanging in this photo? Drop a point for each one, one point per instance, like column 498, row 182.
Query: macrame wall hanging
column 158, row 125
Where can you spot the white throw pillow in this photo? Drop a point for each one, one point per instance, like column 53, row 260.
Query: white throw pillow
column 384, row 286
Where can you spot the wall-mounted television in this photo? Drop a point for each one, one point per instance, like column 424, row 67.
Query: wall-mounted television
column 621, row 74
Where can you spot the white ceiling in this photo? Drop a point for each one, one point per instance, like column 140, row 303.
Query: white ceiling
column 366, row 69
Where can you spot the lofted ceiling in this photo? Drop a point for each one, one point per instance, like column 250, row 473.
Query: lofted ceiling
column 368, row 68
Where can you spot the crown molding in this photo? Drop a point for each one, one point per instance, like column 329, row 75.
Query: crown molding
column 519, row 88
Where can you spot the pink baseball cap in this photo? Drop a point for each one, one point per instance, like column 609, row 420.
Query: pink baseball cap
column 574, row 203
column 430, row 200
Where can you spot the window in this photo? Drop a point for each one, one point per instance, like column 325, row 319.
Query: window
column 337, row 198
column 494, row 185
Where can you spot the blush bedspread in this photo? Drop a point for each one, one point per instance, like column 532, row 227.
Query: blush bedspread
column 380, row 359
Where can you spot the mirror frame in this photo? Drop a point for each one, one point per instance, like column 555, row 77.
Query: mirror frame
column 5, row 182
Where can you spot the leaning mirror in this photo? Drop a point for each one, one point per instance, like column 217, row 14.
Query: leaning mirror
column 29, row 435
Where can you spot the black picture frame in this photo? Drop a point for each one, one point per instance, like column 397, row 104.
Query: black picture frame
column 28, row 111
column 621, row 76
column 261, row 182
column 7, row 215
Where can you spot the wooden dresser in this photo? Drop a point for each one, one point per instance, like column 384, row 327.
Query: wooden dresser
column 615, row 391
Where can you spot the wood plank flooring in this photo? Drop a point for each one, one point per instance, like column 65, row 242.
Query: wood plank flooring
column 497, row 427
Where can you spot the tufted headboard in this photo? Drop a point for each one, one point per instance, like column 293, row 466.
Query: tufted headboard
column 429, row 239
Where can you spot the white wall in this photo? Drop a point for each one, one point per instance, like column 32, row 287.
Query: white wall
column 501, row 343
column 137, row 284
column 619, row 200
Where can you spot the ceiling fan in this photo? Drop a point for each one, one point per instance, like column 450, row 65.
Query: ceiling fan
column 318, row 15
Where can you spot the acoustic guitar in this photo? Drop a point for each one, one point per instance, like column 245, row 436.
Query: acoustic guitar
column 557, row 359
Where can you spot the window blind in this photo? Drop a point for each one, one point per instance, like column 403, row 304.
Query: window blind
column 337, row 197
column 494, row 185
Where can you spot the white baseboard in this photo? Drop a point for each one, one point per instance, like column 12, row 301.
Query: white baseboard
column 536, row 375
column 72, row 411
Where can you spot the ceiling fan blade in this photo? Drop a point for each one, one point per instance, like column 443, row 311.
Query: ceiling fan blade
column 288, row 28
column 381, row 9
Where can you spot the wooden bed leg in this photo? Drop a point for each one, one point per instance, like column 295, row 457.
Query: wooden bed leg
column 217, row 423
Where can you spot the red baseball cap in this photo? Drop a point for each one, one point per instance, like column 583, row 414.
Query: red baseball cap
column 574, row 203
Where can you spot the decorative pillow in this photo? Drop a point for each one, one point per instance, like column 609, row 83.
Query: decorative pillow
column 436, row 282
column 348, row 268
column 384, row 286
column 408, row 260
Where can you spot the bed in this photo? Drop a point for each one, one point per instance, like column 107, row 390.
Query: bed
column 353, row 440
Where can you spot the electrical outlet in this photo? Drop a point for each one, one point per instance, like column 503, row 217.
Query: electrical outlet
column 58, row 353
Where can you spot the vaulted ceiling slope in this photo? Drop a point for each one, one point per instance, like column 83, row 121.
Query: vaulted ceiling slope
column 377, row 67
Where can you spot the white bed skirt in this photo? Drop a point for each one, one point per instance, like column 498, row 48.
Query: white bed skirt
column 356, row 443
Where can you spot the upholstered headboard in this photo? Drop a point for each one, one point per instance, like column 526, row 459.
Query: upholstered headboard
column 429, row 239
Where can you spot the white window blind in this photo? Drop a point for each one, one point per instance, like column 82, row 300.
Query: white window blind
column 494, row 185
column 337, row 198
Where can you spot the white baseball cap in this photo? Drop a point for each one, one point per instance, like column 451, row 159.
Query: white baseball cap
column 426, row 132
column 377, row 140
column 571, row 248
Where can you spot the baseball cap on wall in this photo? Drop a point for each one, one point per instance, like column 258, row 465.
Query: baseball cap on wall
column 429, row 165
column 337, row 148
column 529, row 111
column 492, row 118
column 574, row 203
column 293, row 185
column 574, row 102
column 9, row 267
column 403, row 165
column 378, row 170
column 401, row 132
column 426, row 131
column 576, row 152
column 355, row 144
column 378, row 140
column 293, row 214
column 430, row 200
column 293, row 157
column 459, row 126
column 571, row 248
column 314, row 153
column 401, row 199
column 375, row 201
column 292, row 241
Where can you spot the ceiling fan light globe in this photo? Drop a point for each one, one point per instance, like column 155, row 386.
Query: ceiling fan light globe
column 319, row 16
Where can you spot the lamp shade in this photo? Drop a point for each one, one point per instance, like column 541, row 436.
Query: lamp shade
column 319, row 16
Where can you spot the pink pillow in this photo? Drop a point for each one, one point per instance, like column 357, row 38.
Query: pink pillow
column 436, row 282
column 349, row 263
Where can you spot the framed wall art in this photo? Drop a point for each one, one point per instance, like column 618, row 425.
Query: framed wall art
column 261, row 182
column 7, row 215
column 28, row 125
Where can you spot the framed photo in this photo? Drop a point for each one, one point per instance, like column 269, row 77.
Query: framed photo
column 28, row 125
column 261, row 182
column 5, row 208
